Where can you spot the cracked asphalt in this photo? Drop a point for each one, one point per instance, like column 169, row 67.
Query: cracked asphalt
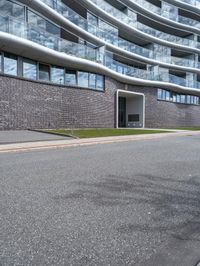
column 120, row 204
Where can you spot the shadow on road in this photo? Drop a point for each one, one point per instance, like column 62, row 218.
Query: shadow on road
column 173, row 203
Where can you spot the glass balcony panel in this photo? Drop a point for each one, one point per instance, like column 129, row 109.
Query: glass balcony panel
column 53, row 42
column 9, row 8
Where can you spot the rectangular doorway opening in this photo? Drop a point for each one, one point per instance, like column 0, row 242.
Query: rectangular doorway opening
column 122, row 112
column 130, row 109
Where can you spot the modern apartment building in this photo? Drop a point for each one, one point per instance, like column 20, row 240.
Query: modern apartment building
column 99, row 63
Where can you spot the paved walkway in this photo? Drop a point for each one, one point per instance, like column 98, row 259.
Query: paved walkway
column 67, row 142
column 19, row 136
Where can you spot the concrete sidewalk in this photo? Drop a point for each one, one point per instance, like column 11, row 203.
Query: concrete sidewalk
column 37, row 145
column 20, row 136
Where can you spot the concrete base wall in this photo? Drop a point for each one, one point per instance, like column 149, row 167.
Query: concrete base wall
column 26, row 104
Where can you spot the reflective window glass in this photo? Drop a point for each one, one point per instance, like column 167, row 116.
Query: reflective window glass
column 70, row 78
column 188, row 99
column 83, row 79
column 44, row 72
column 57, row 75
column 10, row 64
column 159, row 94
column 92, row 80
column 182, row 98
column 100, row 82
column 174, row 97
column 29, row 69
column 195, row 100
column 167, row 97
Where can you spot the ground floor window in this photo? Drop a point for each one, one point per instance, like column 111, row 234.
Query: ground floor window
column 166, row 95
column 10, row 64
column 30, row 69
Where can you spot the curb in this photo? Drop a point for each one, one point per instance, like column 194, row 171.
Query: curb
column 86, row 142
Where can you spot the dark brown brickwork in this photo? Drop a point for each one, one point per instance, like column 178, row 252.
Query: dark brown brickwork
column 167, row 114
column 26, row 104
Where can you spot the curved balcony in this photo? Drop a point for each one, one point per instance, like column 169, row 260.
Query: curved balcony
column 166, row 14
column 143, row 28
column 41, row 37
column 194, row 3
column 113, row 39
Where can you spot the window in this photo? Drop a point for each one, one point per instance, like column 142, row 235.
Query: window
column 177, row 98
column 57, row 75
column 188, row 99
column 167, row 97
column 174, row 97
column 195, row 100
column 92, row 80
column 29, row 69
column 163, row 95
column 10, row 64
column 44, row 72
column 100, row 82
column 182, row 98
column 70, row 78
column 83, row 79
column 159, row 94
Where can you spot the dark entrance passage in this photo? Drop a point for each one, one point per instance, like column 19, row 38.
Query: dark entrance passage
column 122, row 112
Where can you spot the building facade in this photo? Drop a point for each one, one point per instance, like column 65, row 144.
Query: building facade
column 99, row 63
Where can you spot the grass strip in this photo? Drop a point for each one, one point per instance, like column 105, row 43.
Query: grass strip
column 102, row 132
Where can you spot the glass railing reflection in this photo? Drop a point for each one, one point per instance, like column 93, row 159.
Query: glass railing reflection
column 39, row 36
column 115, row 40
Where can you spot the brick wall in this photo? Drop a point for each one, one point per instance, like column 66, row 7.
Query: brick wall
column 167, row 114
column 26, row 104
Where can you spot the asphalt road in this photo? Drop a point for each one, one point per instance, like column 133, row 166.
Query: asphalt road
column 134, row 203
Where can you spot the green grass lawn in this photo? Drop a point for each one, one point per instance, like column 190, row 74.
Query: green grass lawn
column 101, row 132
